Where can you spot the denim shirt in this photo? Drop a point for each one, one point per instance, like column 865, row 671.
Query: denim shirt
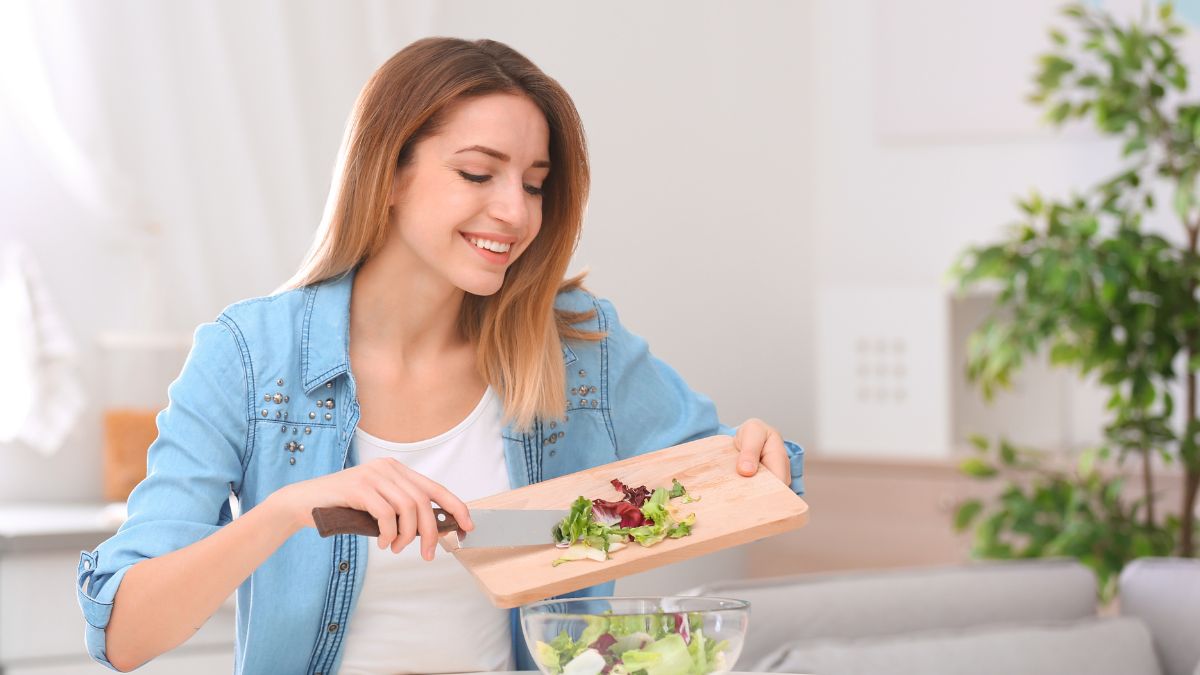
column 266, row 398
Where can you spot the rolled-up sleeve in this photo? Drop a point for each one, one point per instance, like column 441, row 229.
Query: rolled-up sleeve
column 191, row 468
column 652, row 407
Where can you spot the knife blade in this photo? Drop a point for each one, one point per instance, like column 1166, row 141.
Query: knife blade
column 493, row 527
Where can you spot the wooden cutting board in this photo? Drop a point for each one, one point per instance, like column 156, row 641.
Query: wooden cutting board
column 733, row 509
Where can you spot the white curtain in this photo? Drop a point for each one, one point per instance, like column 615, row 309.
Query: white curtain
column 200, row 133
column 160, row 160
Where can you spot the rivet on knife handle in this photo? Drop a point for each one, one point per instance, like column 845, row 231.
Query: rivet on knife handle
column 331, row 520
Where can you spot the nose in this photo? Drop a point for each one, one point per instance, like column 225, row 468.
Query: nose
column 511, row 204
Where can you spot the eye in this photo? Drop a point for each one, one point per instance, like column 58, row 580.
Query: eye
column 531, row 189
column 473, row 178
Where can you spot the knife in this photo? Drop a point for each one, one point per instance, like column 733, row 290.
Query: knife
column 493, row 527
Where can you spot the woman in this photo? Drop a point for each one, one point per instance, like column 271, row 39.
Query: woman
column 428, row 351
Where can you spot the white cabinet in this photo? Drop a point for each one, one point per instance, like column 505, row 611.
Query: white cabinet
column 41, row 625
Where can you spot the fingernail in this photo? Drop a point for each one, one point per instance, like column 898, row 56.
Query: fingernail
column 747, row 466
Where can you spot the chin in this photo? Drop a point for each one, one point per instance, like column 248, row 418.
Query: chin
column 482, row 287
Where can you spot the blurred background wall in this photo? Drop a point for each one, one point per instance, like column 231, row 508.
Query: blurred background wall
column 194, row 142
column 796, row 176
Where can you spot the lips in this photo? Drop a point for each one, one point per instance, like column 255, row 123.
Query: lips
column 488, row 255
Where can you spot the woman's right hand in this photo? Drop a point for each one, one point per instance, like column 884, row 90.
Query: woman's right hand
column 387, row 489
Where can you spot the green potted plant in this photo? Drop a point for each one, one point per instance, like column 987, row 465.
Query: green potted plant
column 1083, row 279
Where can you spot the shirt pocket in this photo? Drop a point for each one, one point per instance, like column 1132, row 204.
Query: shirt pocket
column 582, row 442
column 289, row 451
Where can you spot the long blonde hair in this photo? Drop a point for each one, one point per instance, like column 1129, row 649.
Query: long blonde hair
column 518, row 331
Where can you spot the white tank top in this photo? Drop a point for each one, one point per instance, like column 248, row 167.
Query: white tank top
column 418, row 616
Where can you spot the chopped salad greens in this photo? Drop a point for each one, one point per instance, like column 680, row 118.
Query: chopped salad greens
column 650, row 644
column 595, row 527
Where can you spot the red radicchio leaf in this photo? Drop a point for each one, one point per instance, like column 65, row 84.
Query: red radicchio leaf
column 682, row 627
column 603, row 643
column 636, row 496
column 611, row 512
column 628, row 511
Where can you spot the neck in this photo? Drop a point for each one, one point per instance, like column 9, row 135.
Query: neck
column 397, row 308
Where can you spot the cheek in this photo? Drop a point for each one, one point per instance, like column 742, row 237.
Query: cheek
column 535, row 222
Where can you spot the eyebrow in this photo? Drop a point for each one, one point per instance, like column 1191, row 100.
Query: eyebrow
column 540, row 164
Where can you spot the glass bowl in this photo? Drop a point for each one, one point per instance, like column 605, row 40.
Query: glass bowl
column 676, row 635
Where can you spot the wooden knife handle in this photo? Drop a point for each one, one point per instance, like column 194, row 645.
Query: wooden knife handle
column 331, row 520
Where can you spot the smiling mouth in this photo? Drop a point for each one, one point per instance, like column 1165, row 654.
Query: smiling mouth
column 488, row 245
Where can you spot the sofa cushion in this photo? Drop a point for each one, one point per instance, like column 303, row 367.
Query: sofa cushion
column 1165, row 594
column 1097, row 647
column 866, row 604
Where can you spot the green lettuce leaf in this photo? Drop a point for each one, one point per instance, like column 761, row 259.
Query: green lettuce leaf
column 655, row 508
column 575, row 525
column 666, row 656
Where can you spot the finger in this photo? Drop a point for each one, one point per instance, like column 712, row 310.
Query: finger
column 382, row 511
column 404, row 509
column 391, row 480
column 750, row 438
column 426, row 521
column 445, row 499
column 775, row 457
column 408, row 520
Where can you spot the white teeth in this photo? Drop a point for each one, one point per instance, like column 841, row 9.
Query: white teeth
column 493, row 246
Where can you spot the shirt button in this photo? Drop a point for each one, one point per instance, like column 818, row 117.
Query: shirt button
column 333, row 628
column 343, row 566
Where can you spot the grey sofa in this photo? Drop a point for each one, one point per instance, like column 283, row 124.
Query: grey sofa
column 1021, row 617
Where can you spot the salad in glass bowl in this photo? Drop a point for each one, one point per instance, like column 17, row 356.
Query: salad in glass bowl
column 676, row 635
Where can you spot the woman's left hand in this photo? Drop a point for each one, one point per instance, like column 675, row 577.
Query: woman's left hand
column 757, row 442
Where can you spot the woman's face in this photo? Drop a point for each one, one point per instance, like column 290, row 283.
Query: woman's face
column 469, row 204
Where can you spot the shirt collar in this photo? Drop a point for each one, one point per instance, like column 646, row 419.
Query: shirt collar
column 325, row 342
